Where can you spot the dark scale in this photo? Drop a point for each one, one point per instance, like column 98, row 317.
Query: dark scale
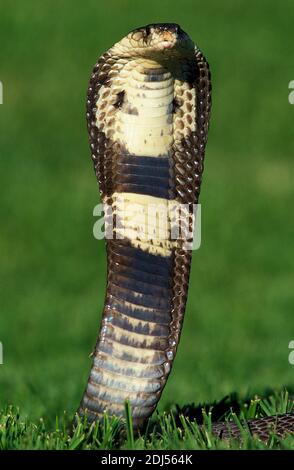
column 143, row 175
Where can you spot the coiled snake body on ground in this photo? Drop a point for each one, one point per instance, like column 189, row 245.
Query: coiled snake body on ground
column 148, row 112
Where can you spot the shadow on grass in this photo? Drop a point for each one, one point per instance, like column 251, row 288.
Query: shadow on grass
column 219, row 410
column 232, row 403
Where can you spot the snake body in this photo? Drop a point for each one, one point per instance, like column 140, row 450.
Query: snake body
column 148, row 109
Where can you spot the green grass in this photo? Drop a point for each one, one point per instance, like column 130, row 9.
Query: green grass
column 239, row 318
column 172, row 431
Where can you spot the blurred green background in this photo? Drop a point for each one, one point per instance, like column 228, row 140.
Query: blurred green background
column 239, row 318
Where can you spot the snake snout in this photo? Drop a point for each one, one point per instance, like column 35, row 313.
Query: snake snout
column 168, row 40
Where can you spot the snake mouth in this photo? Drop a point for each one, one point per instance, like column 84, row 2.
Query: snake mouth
column 167, row 45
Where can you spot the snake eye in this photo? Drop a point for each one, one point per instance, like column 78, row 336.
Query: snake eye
column 147, row 30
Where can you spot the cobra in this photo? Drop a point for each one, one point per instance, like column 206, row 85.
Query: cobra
column 148, row 110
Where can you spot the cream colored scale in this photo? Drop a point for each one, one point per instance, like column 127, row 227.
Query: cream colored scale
column 143, row 124
column 148, row 129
